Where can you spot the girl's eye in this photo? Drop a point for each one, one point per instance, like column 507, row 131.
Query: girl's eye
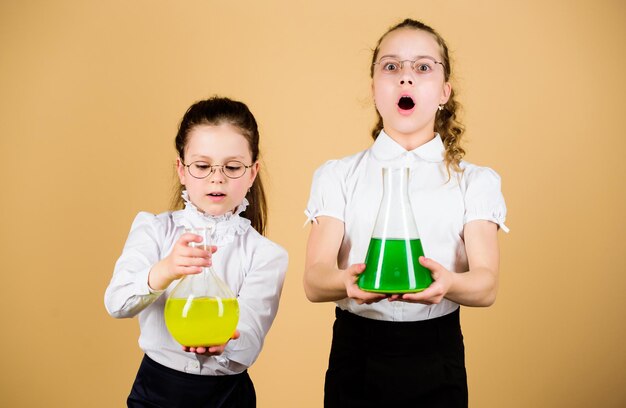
column 201, row 166
column 233, row 167
column 423, row 67
column 390, row 66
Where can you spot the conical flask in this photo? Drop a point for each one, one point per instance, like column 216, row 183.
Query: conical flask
column 201, row 310
column 392, row 261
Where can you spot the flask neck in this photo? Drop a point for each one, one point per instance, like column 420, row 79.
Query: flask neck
column 396, row 183
column 395, row 218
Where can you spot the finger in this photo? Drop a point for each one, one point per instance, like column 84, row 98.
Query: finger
column 187, row 257
column 188, row 270
column 369, row 296
column 235, row 335
column 188, row 238
column 355, row 291
column 361, row 296
column 429, row 263
column 429, row 295
column 215, row 350
column 356, row 269
column 196, row 256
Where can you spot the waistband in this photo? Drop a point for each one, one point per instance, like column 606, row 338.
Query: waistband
column 153, row 365
column 354, row 328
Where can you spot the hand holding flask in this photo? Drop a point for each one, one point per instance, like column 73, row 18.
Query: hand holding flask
column 201, row 310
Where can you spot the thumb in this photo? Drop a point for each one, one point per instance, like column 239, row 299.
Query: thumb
column 188, row 238
column 356, row 269
column 428, row 263
column 235, row 335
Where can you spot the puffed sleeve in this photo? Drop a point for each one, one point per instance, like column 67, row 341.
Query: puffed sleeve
column 258, row 303
column 483, row 196
column 327, row 193
column 128, row 292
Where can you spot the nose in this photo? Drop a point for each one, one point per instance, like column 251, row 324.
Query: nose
column 406, row 74
column 217, row 176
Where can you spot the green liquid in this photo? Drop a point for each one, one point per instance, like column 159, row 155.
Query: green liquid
column 392, row 266
column 204, row 322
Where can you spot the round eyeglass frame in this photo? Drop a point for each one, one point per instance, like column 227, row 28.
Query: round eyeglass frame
column 401, row 62
column 213, row 166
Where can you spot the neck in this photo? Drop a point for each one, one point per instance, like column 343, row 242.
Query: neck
column 410, row 141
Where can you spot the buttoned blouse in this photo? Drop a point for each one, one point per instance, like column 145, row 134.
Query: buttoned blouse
column 250, row 264
column 350, row 190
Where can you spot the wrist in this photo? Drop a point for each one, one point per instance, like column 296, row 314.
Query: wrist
column 157, row 279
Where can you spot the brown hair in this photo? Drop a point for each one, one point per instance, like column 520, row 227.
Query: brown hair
column 215, row 111
column 446, row 122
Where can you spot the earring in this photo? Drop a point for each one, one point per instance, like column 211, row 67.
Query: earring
column 440, row 107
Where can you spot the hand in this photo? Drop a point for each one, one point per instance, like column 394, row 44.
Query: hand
column 442, row 280
column 351, row 276
column 211, row 350
column 183, row 260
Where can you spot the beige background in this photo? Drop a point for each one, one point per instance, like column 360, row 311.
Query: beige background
column 92, row 93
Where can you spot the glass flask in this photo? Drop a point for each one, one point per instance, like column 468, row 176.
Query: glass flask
column 201, row 310
column 392, row 261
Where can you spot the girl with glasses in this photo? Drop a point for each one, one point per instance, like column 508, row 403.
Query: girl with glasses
column 218, row 152
column 405, row 349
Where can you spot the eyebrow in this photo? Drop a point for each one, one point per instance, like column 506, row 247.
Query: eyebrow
column 207, row 158
column 416, row 57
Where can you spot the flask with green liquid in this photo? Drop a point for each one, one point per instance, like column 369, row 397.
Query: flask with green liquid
column 392, row 261
column 201, row 310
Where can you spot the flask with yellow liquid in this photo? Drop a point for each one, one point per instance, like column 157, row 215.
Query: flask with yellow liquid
column 202, row 310
column 392, row 261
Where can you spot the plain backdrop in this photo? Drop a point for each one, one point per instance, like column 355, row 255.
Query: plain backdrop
column 91, row 96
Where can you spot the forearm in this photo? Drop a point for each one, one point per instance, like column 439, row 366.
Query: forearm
column 323, row 283
column 127, row 299
column 477, row 287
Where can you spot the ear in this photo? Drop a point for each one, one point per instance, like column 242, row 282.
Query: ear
column 180, row 170
column 447, row 91
column 254, row 170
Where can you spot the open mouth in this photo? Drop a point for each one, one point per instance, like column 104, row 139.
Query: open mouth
column 406, row 103
column 216, row 194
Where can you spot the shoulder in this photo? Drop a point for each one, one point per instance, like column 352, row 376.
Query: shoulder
column 266, row 255
column 158, row 223
column 474, row 175
column 265, row 246
column 340, row 168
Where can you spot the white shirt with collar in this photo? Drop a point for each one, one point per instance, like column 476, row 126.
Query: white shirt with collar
column 350, row 190
column 250, row 264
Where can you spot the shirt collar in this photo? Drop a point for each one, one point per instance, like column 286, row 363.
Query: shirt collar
column 385, row 148
column 225, row 227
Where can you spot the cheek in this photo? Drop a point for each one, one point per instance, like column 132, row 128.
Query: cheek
column 240, row 186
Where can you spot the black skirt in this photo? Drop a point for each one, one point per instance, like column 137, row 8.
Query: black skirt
column 160, row 386
column 377, row 363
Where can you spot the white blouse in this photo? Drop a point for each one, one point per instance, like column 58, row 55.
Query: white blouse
column 350, row 190
column 251, row 265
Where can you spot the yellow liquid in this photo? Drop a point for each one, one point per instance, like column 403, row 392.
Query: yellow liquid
column 201, row 321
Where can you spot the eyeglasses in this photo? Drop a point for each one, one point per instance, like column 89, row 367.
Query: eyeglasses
column 233, row 169
column 421, row 66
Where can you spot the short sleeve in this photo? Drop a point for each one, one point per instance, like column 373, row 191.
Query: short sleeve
column 327, row 193
column 483, row 196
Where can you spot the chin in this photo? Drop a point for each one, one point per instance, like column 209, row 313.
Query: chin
column 215, row 212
